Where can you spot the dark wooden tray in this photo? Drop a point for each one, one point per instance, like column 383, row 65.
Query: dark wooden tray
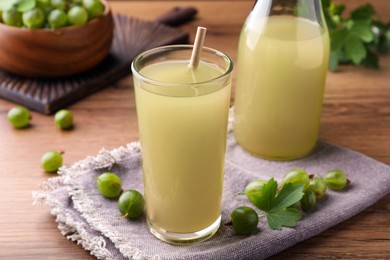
column 131, row 37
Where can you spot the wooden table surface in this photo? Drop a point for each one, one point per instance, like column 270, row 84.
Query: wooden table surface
column 356, row 115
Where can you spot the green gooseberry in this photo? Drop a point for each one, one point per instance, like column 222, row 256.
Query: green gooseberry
column 131, row 204
column 252, row 190
column 109, row 185
column 51, row 161
column 12, row 17
column 77, row 15
column 57, row 19
column 336, row 179
column 296, row 177
column 19, row 117
column 64, row 119
column 95, row 8
column 34, row 18
column 58, row 4
column 318, row 186
column 244, row 220
column 308, row 200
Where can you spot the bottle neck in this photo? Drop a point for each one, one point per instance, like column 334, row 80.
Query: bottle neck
column 308, row 9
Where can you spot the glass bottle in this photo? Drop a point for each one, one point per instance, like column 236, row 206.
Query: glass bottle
column 282, row 64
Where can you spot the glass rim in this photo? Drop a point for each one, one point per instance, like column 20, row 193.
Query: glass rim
column 162, row 49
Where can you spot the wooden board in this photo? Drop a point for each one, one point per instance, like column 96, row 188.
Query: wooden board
column 131, row 37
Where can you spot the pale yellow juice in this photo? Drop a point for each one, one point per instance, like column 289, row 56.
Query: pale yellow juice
column 183, row 137
column 282, row 65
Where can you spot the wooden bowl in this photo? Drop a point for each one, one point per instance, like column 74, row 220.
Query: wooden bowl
column 60, row 52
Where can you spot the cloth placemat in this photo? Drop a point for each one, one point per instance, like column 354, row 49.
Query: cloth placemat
column 84, row 216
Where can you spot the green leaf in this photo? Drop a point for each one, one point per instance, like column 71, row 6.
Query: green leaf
column 337, row 9
column 328, row 19
column 275, row 204
column 25, row 5
column 358, row 38
column 354, row 49
column 288, row 195
column 283, row 217
column 333, row 60
column 364, row 12
column 325, row 4
column 338, row 38
column 362, row 29
column 265, row 197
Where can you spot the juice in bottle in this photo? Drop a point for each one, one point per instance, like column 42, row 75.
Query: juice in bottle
column 282, row 66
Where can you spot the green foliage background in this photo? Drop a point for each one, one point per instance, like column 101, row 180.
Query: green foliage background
column 358, row 38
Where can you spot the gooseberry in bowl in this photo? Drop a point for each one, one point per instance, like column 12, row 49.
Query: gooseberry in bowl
column 54, row 38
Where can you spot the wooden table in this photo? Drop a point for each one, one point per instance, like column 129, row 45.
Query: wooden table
column 356, row 115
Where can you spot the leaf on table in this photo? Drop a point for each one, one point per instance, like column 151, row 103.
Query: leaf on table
column 354, row 49
column 287, row 196
column 264, row 198
column 279, row 217
column 276, row 203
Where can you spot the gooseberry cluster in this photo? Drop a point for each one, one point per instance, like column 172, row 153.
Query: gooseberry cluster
column 315, row 187
column 131, row 203
column 244, row 220
column 35, row 14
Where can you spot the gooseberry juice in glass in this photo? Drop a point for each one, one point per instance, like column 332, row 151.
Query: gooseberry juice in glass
column 183, row 133
column 282, row 66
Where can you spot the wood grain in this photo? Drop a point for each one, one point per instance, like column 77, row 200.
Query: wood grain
column 356, row 115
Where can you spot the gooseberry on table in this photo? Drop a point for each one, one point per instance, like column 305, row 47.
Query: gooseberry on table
column 64, row 119
column 19, row 117
column 51, row 161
